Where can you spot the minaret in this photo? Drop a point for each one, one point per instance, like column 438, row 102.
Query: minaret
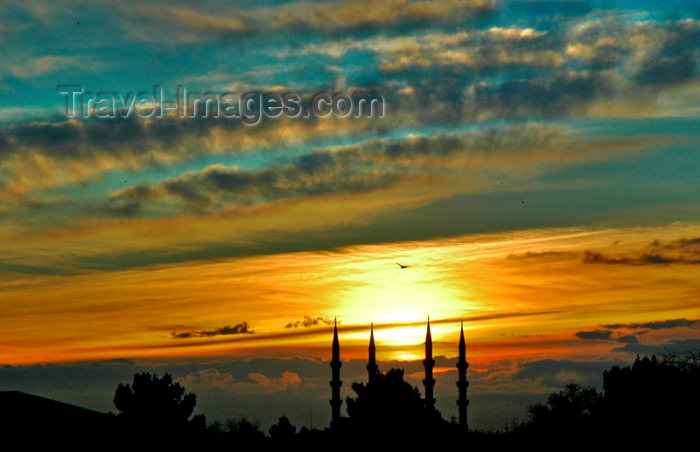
column 428, row 363
column 462, row 383
column 335, row 382
column 372, row 364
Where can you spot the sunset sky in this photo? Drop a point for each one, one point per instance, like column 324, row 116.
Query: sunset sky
column 537, row 170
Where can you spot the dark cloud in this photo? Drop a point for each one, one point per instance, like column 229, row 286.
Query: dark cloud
column 549, row 73
column 597, row 334
column 240, row 328
column 299, row 333
column 590, row 257
column 681, row 251
column 187, row 22
column 10, row 267
column 373, row 165
column 542, row 255
column 656, row 325
column 309, row 321
column 666, row 69
column 126, row 137
column 516, row 90
column 556, row 373
column 519, row 99
column 679, row 245
column 628, row 339
column 127, row 204
column 219, row 186
column 675, row 60
column 671, row 347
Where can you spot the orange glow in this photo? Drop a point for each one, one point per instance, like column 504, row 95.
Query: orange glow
column 523, row 293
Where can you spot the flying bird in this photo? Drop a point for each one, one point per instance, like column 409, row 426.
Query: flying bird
column 402, row 266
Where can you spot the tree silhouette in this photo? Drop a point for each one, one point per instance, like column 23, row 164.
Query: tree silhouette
column 283, row 430
column 575, row 408
column 662, row 395
column 239, row 433
column 651, row 400
column 391, row 407
column 157, row 408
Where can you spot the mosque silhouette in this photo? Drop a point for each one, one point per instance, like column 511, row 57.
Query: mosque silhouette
column 428, row 381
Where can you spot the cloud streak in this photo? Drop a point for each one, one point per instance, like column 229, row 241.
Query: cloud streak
column 189, row 22
column 371, row 166
column 684, row 251
column 656, row 325
column 309, row 322
column 240, row 328
column 597, row 334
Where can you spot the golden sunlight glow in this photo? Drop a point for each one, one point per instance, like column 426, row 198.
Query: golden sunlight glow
column 518, row 293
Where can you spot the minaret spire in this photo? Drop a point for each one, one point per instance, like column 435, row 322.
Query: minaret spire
column 335, row 381
column 462, row 383
column 372, row 364
column 429, row 363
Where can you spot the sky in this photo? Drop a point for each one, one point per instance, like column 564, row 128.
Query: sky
column 536, row 168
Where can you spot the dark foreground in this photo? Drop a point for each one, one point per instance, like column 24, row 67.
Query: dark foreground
column 648, row 403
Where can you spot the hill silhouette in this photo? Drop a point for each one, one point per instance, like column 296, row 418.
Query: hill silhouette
column 40, row 422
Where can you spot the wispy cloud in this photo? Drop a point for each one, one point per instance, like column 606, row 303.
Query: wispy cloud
column 371, row 166
column 683, row 251
column 240, row 328
column 190, row 23
column 41, row 66
column 309, row 322
column 597, row 334
column 656, row 325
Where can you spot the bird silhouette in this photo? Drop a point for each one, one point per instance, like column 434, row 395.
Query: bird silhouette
column 402, row 266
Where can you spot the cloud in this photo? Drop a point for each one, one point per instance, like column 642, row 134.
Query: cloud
column 542, row 255
column 309, row 321
column 287, row 380
column 55, row 153
column 557, row 373
column 40, row 66
column 612, row 67
column 675, row 58
column 290, row 334
column 679, row 245
column 628, row 339
column 218, row 187
column 672, row 346
column 190, row 24
column 597, row 334
column 240, row 328
column 486, row 79
column 370, row 166
column 598, row 258
column 567, row 93
column 210, row 377
column 682, row 251
column 487, row 50
column 656, row 325
column 255, row 383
